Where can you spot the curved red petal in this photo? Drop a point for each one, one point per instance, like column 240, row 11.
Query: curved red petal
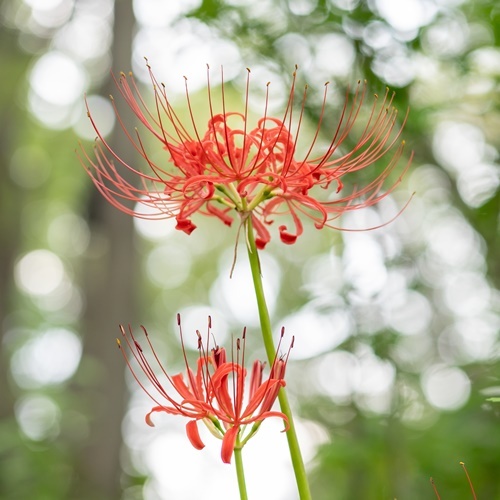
column 228, row 443
column 194, row 435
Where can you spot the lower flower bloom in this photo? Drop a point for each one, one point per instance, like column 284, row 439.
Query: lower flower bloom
column 215, row 394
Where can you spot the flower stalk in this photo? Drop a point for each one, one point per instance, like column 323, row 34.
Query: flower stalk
column 240, row 473
column 267, row 337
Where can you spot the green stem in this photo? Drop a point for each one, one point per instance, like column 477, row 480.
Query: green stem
column 267, row 336
column 238, row 461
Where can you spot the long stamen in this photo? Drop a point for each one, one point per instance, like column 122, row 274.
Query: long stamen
column 245, row 120
column 469, row 479
column 435, row 489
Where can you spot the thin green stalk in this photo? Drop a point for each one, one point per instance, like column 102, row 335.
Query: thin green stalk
column 267, row 336
column 238, row 461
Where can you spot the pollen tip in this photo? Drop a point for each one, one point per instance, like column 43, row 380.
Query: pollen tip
column 375, row 95
column 178, row 319
column 461, row 463
column 185, row 77
column 119, row 343
column 282, row 331
column 209, row 321
column 123, row 74
column 268, row 83
column 248, row 69
column 296, row 67
column 111, row 97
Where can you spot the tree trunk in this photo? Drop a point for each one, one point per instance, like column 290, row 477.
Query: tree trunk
column 110, row 283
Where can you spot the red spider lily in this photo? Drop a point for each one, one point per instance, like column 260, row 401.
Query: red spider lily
column 253, row 172
column 215, row 393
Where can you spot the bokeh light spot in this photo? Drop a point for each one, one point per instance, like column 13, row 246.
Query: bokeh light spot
column 50, row 358
column 39, row 272
column 38, row 417
column 446, row 388
column 57, row 79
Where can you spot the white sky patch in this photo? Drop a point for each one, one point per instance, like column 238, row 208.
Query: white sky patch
column 326, row 66
column 51, row 357
column 467, row 293
column 45, row 4
column 465, row 252
column 409, row 313
column 364, row 266
column 462, row 149
column 188, row 47
column 237, row 294
column 458, row 146
column 39, row 272
column 446, row 388
column 316, row 333
column 151, row 229
column 478, row 336
column 158, row 13
column 38, row 417
column 407, row 15
column 302, row 7
column 86, row 36
column 338, row 374
column 57, row 79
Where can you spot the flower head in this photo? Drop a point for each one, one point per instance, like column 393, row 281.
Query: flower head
column 234, row 167
column 215, row 394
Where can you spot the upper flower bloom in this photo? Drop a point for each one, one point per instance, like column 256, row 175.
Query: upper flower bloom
column 215, row 393
column 252, row 170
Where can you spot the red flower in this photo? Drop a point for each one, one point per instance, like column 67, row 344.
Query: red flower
column 233, row 168
column 214, row 394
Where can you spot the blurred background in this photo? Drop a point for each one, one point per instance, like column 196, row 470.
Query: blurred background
column 396, row 353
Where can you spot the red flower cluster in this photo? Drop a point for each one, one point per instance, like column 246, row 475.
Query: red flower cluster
column 232, row 167
column 215, row 393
